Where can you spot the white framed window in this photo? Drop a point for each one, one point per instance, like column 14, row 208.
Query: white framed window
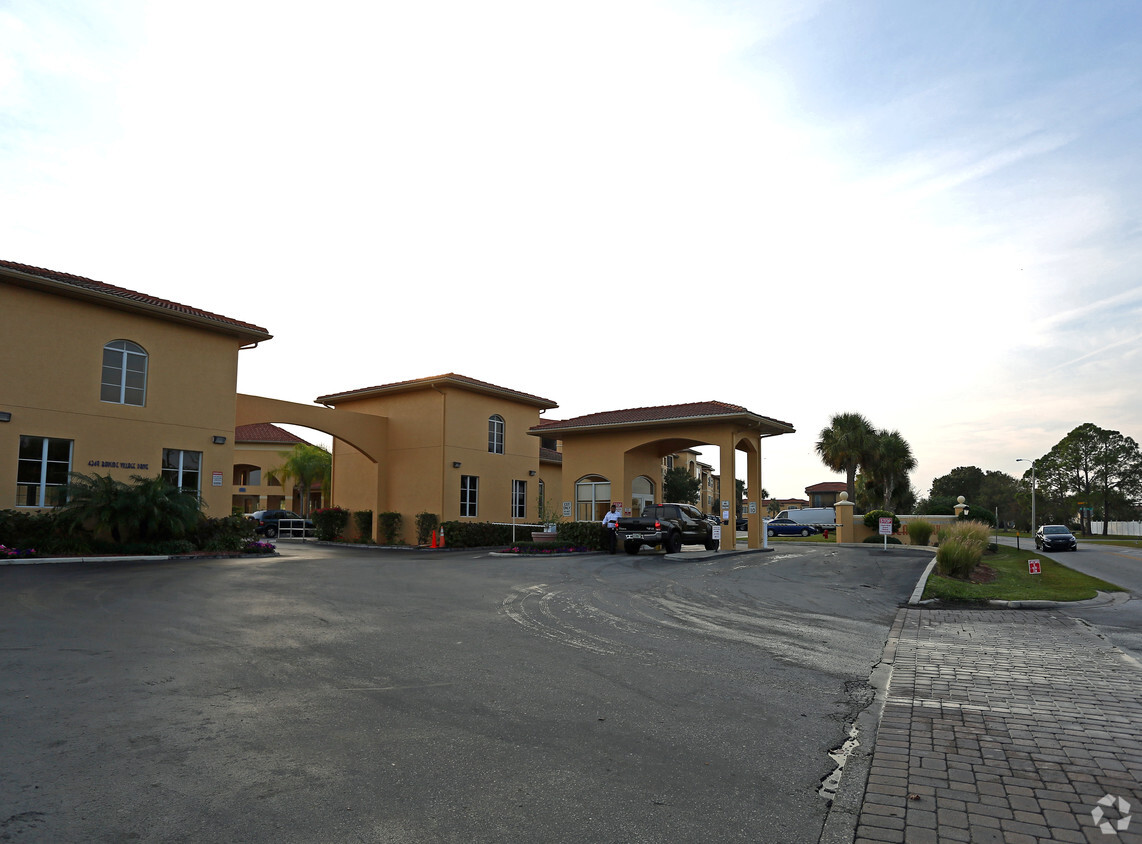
column 469, row 495
column 124, row 373
column 42, row 470
column 496, row 435
column 519, row 499
column 592, row 498
column 183, row 469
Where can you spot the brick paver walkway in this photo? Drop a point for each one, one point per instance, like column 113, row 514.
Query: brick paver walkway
column 1004, row 726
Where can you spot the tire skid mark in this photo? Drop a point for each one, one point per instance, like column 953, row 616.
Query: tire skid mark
column 532, row 608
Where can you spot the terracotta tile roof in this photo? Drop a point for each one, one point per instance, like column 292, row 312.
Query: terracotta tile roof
column 264, row 432
column 108, row 293
column 450, row 378
column 664, row 413
column 827, row 486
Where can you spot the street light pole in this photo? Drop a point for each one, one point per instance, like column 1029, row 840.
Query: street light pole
column 1032, row 462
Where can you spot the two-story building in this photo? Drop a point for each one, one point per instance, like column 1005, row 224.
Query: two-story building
column 99, row 379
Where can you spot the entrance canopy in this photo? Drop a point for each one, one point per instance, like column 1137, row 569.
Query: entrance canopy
column 626, row 447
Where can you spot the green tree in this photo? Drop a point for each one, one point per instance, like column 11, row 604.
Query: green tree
column 305, row 465
column 886, row 474
column 992, row 491
column 680, row 486
column 1091, row 470
column 845, row 445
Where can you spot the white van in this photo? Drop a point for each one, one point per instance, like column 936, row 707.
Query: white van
column 811, row 516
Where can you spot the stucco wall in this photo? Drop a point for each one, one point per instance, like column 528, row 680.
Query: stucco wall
column 50, row 382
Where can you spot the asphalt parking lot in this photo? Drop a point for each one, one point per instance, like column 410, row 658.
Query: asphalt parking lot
column 340, row 695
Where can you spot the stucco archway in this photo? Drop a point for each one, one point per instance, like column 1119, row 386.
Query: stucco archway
column 625, row 444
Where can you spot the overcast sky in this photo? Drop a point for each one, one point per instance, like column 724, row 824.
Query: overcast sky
column 925, row 212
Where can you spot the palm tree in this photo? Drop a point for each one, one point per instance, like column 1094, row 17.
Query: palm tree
column 160, row 510
column 890, row 464
column 847, row 443
column 98, row 502
column 303, row 465
column 146, row 509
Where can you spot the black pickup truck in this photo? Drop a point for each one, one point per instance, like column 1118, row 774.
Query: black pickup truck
column 668, row 525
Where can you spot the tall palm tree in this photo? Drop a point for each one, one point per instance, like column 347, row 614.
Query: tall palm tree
column 890, row 464
column 304, row 464
column 847, row 443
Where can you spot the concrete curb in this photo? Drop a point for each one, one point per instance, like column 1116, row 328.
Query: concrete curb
column 158, row 558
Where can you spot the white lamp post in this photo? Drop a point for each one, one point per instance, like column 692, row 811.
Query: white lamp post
column 1032, row 462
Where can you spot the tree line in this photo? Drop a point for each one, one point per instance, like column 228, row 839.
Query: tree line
column 1091, row 474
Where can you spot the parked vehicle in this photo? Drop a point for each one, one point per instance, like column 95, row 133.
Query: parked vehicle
column 1055, row 538
column 810, row 516
column 742, row 523
column 267, row 523
column 788, row 527
column 668, row 525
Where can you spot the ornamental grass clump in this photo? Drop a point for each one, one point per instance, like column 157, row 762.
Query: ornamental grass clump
column 920, row 530
column 961, row 549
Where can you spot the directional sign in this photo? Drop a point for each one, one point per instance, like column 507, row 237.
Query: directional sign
column 1033, row 567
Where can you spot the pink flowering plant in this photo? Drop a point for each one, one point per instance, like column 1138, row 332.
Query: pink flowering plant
column 16, row 553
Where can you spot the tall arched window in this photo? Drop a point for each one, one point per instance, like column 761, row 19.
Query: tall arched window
column 124, row 373
column 496, row 435
column 592, row 498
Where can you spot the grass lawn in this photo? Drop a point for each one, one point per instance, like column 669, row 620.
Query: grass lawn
column 1011, row 581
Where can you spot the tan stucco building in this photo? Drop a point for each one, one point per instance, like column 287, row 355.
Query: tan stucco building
column 98, row 379
column 147, row 386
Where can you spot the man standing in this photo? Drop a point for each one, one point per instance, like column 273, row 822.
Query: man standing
column 610, row 522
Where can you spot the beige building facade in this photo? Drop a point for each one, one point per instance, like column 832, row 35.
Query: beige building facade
column 113, row 382
column 146, row 386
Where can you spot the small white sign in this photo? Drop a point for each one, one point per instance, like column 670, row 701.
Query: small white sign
column 886, row 527
column 1034, row 567
column 567, row 509
column 718, row 532
column 753, row 507
column 216, row 478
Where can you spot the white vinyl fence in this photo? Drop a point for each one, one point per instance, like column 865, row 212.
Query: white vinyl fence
column 1117, row 528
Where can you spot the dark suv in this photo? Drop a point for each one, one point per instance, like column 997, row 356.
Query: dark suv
column 1055, row 538
column 266, row 523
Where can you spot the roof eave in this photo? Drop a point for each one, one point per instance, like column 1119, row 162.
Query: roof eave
column 62, row 288
column 776, row 427
column 429, row 383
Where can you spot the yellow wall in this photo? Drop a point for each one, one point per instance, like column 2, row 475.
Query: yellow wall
column 429, row 429
column 53, row 355
column 265, row 495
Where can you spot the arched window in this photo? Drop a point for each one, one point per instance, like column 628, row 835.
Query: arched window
column 496, row 435
column 124, row 374
column 592, row 498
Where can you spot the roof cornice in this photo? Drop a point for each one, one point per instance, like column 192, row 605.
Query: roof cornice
column 451, row 379
column 119, row 298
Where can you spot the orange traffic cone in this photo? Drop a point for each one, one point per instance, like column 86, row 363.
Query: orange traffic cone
column 433, row 540
column 442, row 537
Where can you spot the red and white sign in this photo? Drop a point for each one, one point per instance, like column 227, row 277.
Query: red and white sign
column 886, row 526
column 1033, row 567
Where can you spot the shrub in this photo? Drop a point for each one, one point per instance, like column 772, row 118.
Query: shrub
column 873, row 517
column 388, row 526
column 426, row 523
column 231, row 533
column 920, row 530
column 363, row 521
column 587, row 535
column 962, row 548
column 330, row 522
column 482, row 534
